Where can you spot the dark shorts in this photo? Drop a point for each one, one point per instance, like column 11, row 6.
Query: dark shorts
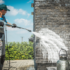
column 2, row 59
column 3, row 56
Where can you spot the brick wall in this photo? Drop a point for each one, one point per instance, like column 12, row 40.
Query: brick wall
column 56, row 16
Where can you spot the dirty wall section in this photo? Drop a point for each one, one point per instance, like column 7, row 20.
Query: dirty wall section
column 55, row 15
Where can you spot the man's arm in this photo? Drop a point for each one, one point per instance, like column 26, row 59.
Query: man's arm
column 6, row 21
column 9, row 23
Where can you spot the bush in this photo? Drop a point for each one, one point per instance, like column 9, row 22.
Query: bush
column 19, row 51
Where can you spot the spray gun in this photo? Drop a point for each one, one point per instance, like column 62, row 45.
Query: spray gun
column 14, row 26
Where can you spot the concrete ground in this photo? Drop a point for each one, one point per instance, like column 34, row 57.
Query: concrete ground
column 17, row 64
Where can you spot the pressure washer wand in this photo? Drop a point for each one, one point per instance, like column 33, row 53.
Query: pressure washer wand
column 23, row 28
column 14, row 26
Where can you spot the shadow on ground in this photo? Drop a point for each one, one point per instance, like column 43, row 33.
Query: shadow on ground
column 30, row 67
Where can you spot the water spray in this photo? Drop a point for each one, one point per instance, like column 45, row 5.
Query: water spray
column 51, row 42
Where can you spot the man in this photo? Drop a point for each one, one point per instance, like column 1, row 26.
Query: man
column 3, row 10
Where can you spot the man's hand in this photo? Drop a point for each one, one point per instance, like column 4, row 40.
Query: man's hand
column 14, row 25
column 9, row 23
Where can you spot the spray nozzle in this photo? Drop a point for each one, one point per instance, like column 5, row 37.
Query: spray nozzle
column 29, row 30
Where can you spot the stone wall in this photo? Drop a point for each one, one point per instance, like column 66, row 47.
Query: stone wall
column 56, row 16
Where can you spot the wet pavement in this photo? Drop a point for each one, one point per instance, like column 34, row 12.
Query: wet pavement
column 19, row 65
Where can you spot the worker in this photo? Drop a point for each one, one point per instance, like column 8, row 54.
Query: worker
column 3, row 11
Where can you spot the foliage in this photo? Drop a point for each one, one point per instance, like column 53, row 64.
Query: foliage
column 19, row 51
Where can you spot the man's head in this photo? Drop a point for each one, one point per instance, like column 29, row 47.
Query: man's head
column 3, row 9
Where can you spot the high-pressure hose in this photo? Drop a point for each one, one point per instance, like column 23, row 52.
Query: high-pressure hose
column 7, row 46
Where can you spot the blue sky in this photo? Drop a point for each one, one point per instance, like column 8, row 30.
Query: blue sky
column 20, row 14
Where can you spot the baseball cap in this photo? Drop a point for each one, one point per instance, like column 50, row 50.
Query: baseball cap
column 3, row 6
